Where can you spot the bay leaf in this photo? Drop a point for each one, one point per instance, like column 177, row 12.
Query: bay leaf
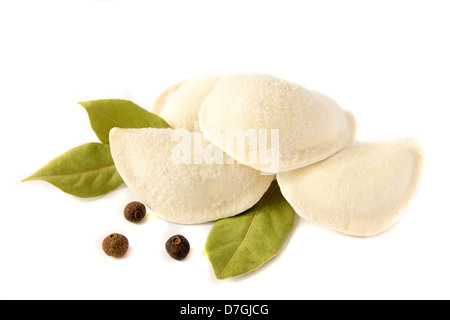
column 84, row 171
column 105, row 114
column 243, row 243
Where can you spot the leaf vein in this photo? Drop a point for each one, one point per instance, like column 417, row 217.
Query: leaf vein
column 249, row 229
column 109, row 118
column 78, row 172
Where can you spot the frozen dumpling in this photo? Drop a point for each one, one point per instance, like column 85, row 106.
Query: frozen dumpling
column 162, row 99
column 350, row 118
column 183, row 178
column 302, row 126
column 180, row 103
column 361, row 190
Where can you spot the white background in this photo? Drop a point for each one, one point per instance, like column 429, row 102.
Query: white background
column 387, row 61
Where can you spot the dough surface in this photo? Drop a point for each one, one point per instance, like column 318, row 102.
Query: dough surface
column 180, row 103
column 361, row 190
column 191, row 191
column 310, row 128
column 349, row 116
column 161, row 100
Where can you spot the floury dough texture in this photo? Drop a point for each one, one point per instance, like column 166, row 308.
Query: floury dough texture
column 309, row 129
column 186, row 193
column 361, row 190
column 180, row 103
column 162, row 99
column 311, row 125
column 350, row 118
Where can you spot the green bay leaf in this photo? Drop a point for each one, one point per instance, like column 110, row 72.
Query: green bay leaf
column 84, row 171
column 105, row 114
column 241, row 244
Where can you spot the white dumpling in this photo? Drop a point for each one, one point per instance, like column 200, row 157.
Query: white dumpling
column 309, row 130
column 180, row 103
column 175, row 180
column 350, row 118
column 352, row 127
column 161, row 100
column 361, row 190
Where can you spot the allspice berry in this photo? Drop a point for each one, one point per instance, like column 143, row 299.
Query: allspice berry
column 134, row 211
column 115, row 245
column 177, row 247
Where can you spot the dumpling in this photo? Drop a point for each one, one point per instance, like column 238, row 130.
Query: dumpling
column 350, row 118
column 305, row 127
column 182, row 177
column 162, row 99
column 361, row 190
column 180, row 103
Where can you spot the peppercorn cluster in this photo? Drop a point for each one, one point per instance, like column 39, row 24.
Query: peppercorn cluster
column 116, row 245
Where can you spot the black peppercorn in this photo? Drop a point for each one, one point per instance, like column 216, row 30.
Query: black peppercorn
column 115, row 245
column 177, row 247
column 134, row 211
